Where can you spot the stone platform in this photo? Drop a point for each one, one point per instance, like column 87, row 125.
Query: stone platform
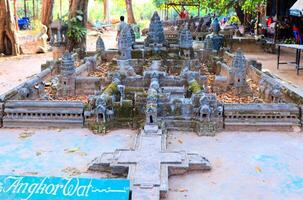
column 149, row 165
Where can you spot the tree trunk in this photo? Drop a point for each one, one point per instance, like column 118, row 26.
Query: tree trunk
column 34, row 10
column 130, row 13
column 15, row 15
column 240, row 13
column 8, row 36
column 74, row 6
column 106, row 10
column 47, row 14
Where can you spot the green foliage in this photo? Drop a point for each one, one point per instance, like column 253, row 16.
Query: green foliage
column 194, row 87
column 290, row 41
column 76, row 30
column 221, row 7
column 111, row 88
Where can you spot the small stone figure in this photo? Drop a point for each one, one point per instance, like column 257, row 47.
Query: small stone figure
column 42, row 40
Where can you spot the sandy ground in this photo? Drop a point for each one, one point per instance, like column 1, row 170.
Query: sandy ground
column 286, row 72
column 56, row 152
column 245, row 166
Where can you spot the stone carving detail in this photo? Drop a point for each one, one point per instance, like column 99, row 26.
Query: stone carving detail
column 149, row 155
column 209, row 107
column 156, row 35
column 239, row 69
column 67, row 77
column 186, row 38
column 186, row 43
column 100, row 47
column 125, row 44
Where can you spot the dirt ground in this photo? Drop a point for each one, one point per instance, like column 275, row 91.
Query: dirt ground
column 15, row 70
column 287, row 73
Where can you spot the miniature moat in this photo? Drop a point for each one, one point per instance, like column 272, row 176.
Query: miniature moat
column 155, row 86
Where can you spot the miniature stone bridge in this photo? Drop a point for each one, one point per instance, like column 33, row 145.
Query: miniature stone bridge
column 149, row 165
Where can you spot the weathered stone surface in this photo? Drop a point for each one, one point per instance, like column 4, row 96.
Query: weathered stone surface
column 156, row 32
column 43, row 114
column 262, row 115
column 149, row 165
column 1, row 113
column 186, row 39
column 239, row 69
column 100, row 47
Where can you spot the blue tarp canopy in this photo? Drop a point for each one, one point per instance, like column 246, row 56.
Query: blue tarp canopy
column 297, row 9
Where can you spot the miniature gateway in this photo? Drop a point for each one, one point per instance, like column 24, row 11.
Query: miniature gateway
column 157, row 87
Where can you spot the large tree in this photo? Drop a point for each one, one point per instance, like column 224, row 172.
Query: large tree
column 130, row 13
column 8, row 34
column 47, row 14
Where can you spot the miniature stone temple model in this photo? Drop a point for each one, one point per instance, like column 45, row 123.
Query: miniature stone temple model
column 186, row 43
column 239, row 69
column 125, row 44
column 156, row 37
column 100, row 47
column 67, row 77
column 157, row 88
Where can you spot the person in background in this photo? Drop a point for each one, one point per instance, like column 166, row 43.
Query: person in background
column 183, row 14
column 269, row 21
column 121, row 26
column 297, row 32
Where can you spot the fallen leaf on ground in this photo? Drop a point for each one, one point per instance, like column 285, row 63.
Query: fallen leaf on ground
column 180, row 141
column 71, row 171
column 258, row 169
column 183, row 190
column 72, row 150
column 24, row 135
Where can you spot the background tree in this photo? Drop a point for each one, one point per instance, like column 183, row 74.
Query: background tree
column 130, row 13
column 106, row 10
column 8, row 36
column 224, row 7
column 77, row 20
column 47, row 14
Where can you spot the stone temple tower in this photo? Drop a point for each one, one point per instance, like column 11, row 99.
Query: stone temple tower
column 186, row 43
column 100, row 47
column 67, row 77
column 156, row 35
column 239, row 69
column 125, row 44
